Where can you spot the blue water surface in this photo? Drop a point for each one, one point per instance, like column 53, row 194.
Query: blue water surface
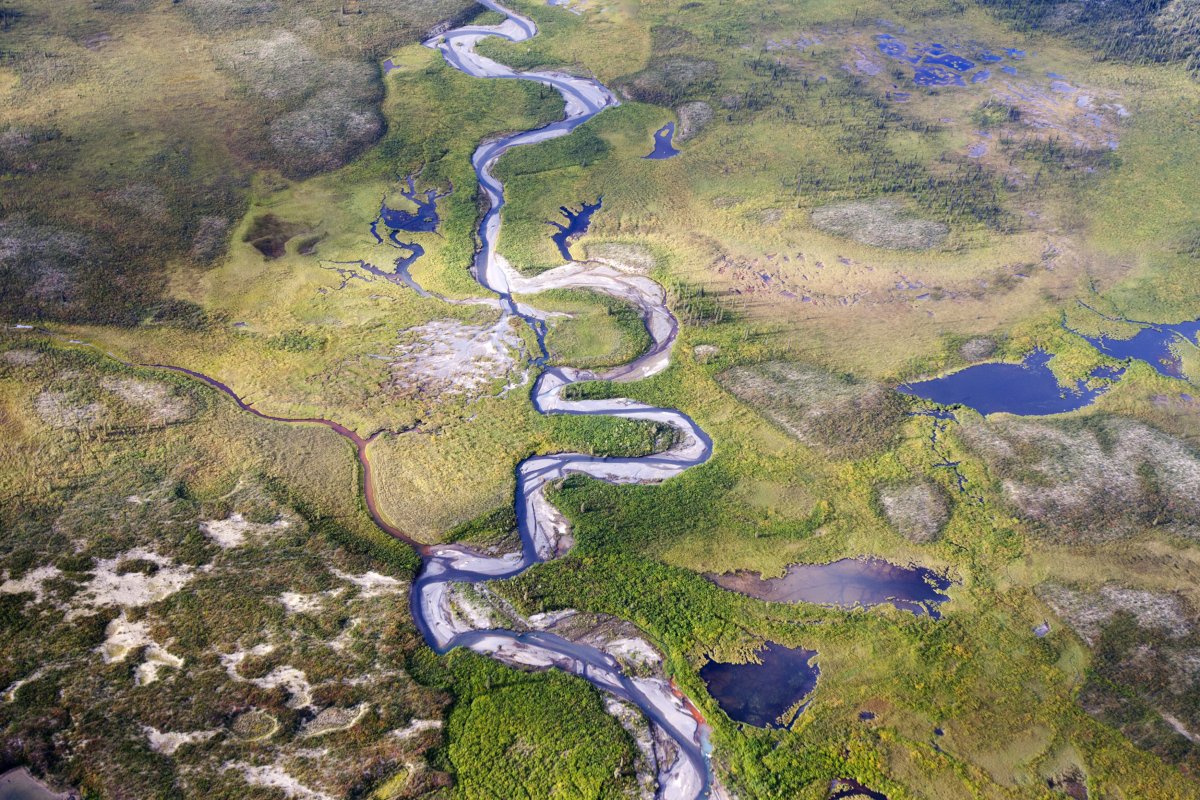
column 1153, row 344
column 1027, row 389
column 760, row 694
column 577, row 223
column 663, row 147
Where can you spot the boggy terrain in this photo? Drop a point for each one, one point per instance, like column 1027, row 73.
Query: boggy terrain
column 862, row 197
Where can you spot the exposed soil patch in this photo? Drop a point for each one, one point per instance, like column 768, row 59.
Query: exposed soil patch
column 693, row 118
column 61, row 410
column 156, row 400
column 1145, row 668
column 880, row 223
column 844, row 417
column 628, row 257
column 977, row 349
column 666, row 81
column 1088, row 612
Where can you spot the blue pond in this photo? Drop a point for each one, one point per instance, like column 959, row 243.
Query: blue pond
column 663, row 148
column 1155, row 344
column 578, row 223
column 1027, row 388
column 762, row 694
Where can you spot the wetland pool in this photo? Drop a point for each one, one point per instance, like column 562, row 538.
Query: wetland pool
column 762, row 694
column 663, row 146
column 578, row 223
column 1027, row 388
column 847, row 583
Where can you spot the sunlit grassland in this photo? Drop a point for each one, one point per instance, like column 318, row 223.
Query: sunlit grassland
column 434, row 478
column 271, row 297
column 598, row 331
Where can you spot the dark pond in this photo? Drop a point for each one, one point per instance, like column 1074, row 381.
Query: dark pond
column 1153, row 344
column 866, row 716
column 1027, row 388
column 577, row 224
column 663, row 148
column 848, row 583
column 760, row 694
column 844, row 788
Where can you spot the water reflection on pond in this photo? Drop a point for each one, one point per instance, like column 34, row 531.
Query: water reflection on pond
column 848, row 583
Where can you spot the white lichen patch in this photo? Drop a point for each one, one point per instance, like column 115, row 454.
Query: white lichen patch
column 160, row 404
column 344, row 639
column 168, row 743
column 10, row 693
column 372, row 584
column 296, row 603
column 416, row 727
column 274, row 776
column 111, row 585
column 236, row 529
column 123, row 637
column 60, row 410
column 332, row 720
column 447, row 357
column 292, row 679
column 30, row 583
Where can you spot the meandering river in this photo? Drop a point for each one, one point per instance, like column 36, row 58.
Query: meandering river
column 542, row 528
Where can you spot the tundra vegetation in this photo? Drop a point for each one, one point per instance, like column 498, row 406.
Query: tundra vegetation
column 197, row 602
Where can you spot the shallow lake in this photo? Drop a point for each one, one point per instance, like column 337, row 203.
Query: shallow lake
column 1155, row 344
column 578, row 223
column 759, row 694
column 1027, row 388
column 848, row 583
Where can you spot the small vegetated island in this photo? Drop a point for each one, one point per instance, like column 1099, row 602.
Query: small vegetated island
column 587, row 400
